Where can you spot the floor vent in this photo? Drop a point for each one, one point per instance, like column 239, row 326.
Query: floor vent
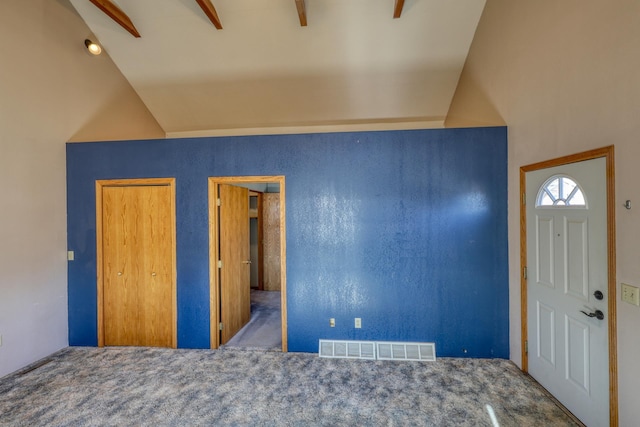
column 416, row 351
column 348, row 349
column 419, row 351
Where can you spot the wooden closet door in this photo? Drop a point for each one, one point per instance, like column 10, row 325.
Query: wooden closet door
column 137, row 248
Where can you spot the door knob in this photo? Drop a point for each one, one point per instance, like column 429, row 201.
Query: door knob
column 246, row 262
column 119, row 273
column 597, row 314
column 153, row 274
column 599, row 295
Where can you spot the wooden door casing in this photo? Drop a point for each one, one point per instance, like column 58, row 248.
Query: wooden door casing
column 609, row 154
column 136, row 262
column 214, row 251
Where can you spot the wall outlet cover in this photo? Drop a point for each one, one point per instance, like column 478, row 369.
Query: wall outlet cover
column 630, row 294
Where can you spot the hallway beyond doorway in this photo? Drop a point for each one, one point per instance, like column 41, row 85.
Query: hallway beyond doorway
column 264, row 330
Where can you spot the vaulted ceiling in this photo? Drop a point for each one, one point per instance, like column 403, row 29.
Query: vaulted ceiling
column 352, row 63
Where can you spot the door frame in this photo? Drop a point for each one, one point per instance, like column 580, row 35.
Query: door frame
column 214, row 285
column 169, row 182
column 259, row 223
column 609, row 155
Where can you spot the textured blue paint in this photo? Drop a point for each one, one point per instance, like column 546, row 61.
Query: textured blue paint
column 405, row 229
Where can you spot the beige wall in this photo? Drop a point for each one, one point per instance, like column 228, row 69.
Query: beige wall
column 563, row 75
column 50, row 90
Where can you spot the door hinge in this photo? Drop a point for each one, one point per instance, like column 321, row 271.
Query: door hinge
column 524, row 272
column 524, row 199
column 219, row 263
column 221, row 326
column 526, row 347
column 218, row 202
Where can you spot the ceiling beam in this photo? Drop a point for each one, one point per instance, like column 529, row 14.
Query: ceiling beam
column 397, row 10
column 302, row 12
column 210, row 11
column 115, row 13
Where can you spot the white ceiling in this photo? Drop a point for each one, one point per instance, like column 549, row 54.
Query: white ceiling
column 353, row 63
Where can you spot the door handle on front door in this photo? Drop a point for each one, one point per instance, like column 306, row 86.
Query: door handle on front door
column 597, row 314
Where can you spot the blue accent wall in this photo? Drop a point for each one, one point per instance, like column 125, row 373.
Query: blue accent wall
column 404, row 229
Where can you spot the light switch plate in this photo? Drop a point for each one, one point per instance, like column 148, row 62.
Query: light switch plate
column 630, row 294
column 70, row 255
column 358, row 323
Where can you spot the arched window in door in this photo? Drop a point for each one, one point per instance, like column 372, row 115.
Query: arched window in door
column 561, row 191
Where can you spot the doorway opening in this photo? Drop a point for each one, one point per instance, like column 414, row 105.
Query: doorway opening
column 247, row 254
column 550, row 266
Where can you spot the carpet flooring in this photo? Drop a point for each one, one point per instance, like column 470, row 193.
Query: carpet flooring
column 132, row 386
column 264, row 330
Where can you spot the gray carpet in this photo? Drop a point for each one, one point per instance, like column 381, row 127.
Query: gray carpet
column 162, row 387
column 264, row 330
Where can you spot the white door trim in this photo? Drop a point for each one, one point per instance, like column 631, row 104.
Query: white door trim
column 608, row 154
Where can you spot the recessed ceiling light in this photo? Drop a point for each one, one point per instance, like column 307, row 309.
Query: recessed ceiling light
column 93, row 48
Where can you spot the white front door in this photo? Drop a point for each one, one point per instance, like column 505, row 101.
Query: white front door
column 567, row 283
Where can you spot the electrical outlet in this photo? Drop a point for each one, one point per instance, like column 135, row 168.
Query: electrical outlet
column 630, row 294
column 358, row 323
column 332, row 322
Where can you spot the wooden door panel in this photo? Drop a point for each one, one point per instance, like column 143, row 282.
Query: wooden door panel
column 271, row 235
column 235, row 304
column 120, row 246
column 114, row 296
column 156, row 275
column 137, row 251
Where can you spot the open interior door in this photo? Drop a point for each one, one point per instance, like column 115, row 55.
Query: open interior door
column 235, row 274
